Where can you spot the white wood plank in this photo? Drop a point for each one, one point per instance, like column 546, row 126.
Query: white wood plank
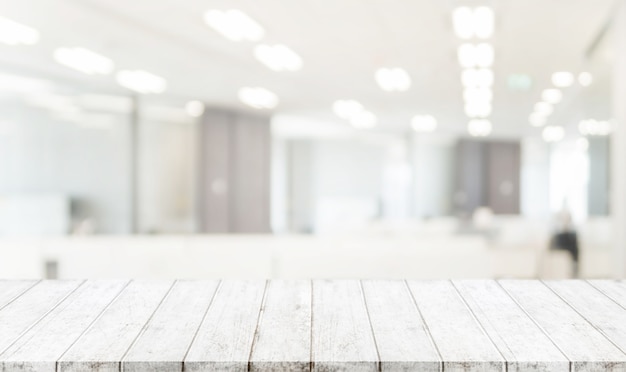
column 165, row 340
column 403, row 341
column 522, row 343
column 224, row 340
column 102, row 347
column 602, row 312
column 42, row 345
column 615, row 289
column 587, row 348
column 342, row 338
column 283, row 340
column 23, row 313
column 461, row 341
column 11, row 289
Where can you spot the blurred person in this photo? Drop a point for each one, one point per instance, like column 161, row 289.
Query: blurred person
column 566, row 238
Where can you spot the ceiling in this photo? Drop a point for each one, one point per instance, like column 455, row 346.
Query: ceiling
column 341, row 42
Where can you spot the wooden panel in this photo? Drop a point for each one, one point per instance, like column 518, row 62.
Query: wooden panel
column 580, row 341
column 165, row 340
column 615, row 289
column 522, row 343
column 283, row 340
column 224, row 340
column 43, row 344
column 342, row 336
column 103, row 346
column 460, row 340
column 11, row 289
column 603, row 313
column 23, row 313
column 403, row 341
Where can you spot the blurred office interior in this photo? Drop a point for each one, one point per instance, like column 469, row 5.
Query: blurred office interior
column 287, row 139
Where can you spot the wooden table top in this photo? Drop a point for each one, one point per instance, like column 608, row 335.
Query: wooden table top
column 322, row 325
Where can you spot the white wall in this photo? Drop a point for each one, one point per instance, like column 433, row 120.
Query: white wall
column 535, row 179
column 85, row 160
column 433, row 166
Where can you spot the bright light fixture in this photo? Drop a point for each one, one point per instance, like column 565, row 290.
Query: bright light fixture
column 478, row 109
column 591, row 127
column 585, row 79
column 481, row 55
column 543, row 108
column 14, row 33
column 553, row 133
column 234, row 25
column 347, row 109
column 363, row 119
column 469, row 22
column 141, row 81
column 393, row 79
column 537, row 120
column 259, row 98
column 194, row 109
column 84, row 60
column 483, row 22
column 562, row 79
column 482, row 77
column 552, row 96
column 424, row 123
column 477, row 95
column 278, row 57
column 479, row 128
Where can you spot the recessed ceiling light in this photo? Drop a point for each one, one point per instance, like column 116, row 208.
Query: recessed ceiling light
column 479, row 95
column 552, row 96
column 347, row 109
column 469, row 22
column 234, row 25
column 479, row 127
column 194, row 108
column 562, row 79
column 363, row 119
column 481, row 55
column 483, row 22
column 591, row 127
column 478, row 109
column 543, row 108
column 393, row 79
column 482, row 77
column 424, row 123
column 259, row 98
column 141, row 81
column 84, row 60
column 585, row 79
column 14, row 33
column 537, row 120
column 278, row 57
column 553, row 133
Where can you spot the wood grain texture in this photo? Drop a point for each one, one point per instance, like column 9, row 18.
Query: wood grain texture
column 403, row 341
column 603, row 313
column 23, row 313
column 460, row 340
column 614, row 289
column 11, row 289
column 283, row 340
column 587, row 348
column 40, row 347
column 104, row 344
column 167, row 337
column 342, row 338
column 224, row 340
column 522, row 343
